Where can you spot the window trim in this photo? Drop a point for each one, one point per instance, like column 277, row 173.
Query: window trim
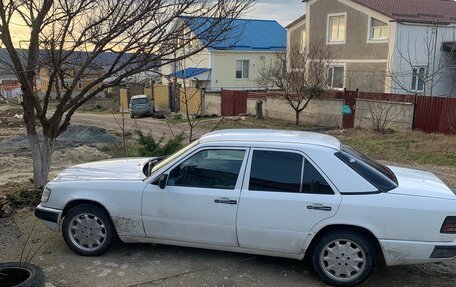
column 418, row 67
column 242, row 70
column 328, row 29
column 370, row 38
column 246, row 181
column 242, row 170
column 343, row 65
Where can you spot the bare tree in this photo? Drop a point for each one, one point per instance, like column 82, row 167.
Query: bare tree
column 422, row 63
column 69, row 37
column 381, row 114
column 301, row 75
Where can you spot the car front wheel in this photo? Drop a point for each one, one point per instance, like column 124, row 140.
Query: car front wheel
column 343, row 258
column 88, row 230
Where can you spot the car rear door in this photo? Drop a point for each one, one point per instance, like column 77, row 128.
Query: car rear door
column 284, row 195
column 200, row 200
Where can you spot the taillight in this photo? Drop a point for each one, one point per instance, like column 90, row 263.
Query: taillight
column 449, row 225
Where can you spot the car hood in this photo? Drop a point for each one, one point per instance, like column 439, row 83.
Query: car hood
column 125, row 169
column 420, row 183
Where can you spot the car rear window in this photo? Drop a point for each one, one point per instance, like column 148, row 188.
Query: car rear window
column 140, row 101
column 377, row 174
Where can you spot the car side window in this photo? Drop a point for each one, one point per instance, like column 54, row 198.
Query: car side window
column 275, row 171
column 313, row 182
column 212, row 168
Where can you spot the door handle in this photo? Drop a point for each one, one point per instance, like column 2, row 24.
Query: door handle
column 319, row 207
column 225, row 201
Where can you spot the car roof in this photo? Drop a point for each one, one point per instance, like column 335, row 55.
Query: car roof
column 278, row 136
column 139, row 97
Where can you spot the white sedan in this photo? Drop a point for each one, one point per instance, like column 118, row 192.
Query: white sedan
column 279, row 193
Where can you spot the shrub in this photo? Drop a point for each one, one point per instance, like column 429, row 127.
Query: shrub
column 148, row 146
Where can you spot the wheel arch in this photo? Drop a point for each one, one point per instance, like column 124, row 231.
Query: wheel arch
column 73, row 203
column 369, row 235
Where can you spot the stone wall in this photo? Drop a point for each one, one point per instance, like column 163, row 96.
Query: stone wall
column 399, row 115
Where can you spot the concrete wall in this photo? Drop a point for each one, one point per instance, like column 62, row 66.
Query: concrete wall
column 320, row 112
column 213, row 103
column 399, row 115
column 367, row 77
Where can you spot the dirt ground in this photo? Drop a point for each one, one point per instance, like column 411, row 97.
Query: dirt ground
column 157, row 265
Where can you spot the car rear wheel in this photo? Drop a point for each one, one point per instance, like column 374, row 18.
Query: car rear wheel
column 88, row 230
column 343, row 258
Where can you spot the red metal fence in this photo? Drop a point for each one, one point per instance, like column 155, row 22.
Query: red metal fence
column 435, row 115
column 234, row 102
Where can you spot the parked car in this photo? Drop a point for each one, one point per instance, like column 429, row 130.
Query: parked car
column 140, row 105
column 278, row 193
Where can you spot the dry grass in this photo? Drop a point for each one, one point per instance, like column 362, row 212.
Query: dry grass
column 403, row 147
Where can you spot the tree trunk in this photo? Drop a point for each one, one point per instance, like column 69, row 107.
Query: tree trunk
column 42, row 157
column 259, row 110
column 297, row 118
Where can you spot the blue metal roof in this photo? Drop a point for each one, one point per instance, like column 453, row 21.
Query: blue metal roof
column 189, row 72
column 244, row 35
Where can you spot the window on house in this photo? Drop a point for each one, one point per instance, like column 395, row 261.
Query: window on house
column 378, row 30
column 242, row 69
column 336, row 77
column 303, row 40
column 336, row 28
column 418, row 75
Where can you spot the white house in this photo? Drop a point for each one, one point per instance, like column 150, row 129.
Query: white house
column 232, row 63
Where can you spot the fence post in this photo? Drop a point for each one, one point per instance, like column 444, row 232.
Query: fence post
column 414, row 111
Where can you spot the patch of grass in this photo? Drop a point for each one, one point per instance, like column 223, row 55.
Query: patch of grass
column 404, row 147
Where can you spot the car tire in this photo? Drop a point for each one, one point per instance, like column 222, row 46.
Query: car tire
column 343, row 258
column 21, row 274
column 88, row 230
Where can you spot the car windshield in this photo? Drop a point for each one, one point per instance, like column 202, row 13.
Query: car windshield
column 172, row 157
column 376, row 173
column 139, row 101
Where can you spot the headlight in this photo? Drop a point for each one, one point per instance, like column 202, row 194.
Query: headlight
column 45, row 195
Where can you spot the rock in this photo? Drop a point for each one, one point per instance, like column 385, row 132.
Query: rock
column 6, row 210
column 25, row 209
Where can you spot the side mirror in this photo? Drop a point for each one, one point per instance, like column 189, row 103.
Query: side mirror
column 162, row 181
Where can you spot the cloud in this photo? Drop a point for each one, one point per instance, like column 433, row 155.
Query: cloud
column 282, row 11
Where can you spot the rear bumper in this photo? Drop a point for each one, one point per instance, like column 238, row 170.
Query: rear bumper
column 49, row 216
column 398, row 252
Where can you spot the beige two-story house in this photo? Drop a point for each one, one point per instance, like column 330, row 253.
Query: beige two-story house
column 383, row 45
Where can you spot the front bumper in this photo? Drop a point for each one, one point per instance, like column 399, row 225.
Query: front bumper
column 398, row 252
column 49, row 216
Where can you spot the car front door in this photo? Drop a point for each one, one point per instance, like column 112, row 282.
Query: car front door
column 200, row 199
column 283, row 197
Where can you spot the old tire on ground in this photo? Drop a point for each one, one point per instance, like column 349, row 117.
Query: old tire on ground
column 21, row 275
column 343, row 258
column 88, row 230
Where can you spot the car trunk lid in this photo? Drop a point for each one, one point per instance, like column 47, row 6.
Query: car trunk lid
column 420, row 183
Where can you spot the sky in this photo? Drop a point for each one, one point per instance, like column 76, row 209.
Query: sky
column 284, row 11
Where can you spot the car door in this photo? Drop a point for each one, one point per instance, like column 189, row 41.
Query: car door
column 199, row 202
column 284, row 195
